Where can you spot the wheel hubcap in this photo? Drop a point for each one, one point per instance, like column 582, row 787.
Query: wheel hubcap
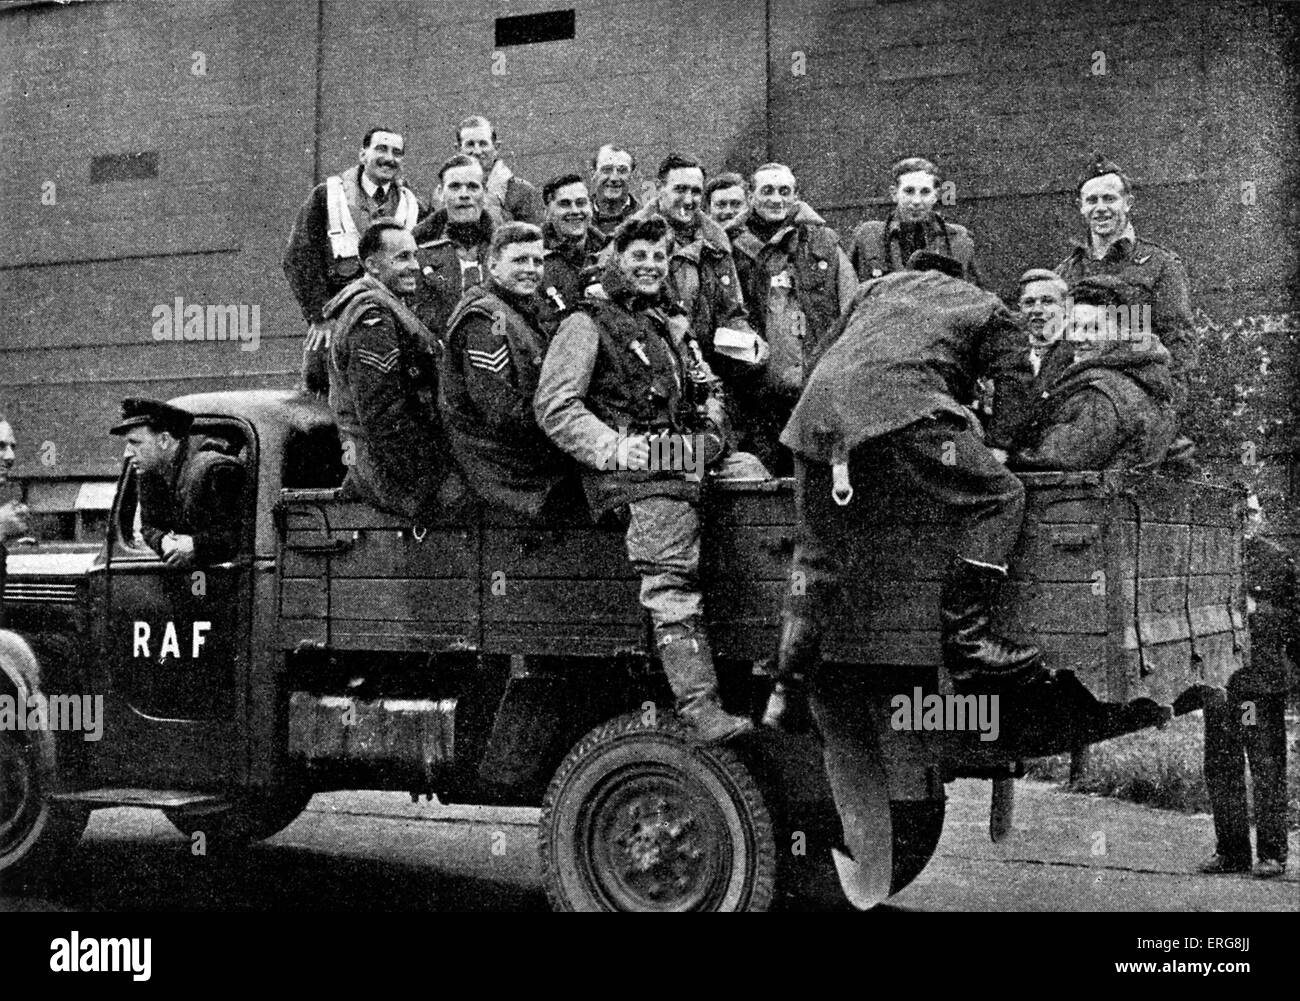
column 657, row 842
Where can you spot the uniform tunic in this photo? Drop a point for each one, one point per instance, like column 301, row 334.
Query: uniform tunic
column 202, row 495
column 1156, row 277
column 882, row 247
column 1251, row 726
column 620, row 365
column 314, row 274
column 797, row 283
column 488, row 378
column 448, row 267
column 309, row 264
column 1109, row 411
column 703, row 284
column 885, row 398
column 567, row 269
column 383, row 385
column 607, row 222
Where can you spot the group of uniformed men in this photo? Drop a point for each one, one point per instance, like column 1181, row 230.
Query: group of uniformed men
column 485, row 346
column 577, row 354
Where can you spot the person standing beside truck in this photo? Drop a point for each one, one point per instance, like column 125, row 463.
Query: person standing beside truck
column 885, row 400
column 1251, row 725
column 621, row 379
column 191, row 497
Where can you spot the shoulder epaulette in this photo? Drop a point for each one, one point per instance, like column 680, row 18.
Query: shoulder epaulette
column 1157, row 246
column 473, row 303
column 372, row 314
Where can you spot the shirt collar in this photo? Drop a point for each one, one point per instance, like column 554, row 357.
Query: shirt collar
column 367, row 185
column 629, row 205
column 1125, row 242
column 933, row 222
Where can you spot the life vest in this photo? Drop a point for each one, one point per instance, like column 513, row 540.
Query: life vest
column 342, row 199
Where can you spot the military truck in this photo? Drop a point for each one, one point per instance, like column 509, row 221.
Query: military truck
column 487, row 660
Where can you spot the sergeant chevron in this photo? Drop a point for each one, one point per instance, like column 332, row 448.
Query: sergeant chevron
column 58, row 712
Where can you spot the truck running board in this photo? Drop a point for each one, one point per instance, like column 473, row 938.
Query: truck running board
column 157, row 799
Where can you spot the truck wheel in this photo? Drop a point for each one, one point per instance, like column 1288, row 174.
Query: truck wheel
column 917, row 826
column 639, row 819
column 254, row 817
column 35, row 834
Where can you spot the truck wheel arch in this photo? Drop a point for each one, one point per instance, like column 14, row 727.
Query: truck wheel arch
column 32, row 839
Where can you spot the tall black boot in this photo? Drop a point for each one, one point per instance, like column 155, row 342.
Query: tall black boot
column 688, row 662
column 976, row 658
column 796, row 662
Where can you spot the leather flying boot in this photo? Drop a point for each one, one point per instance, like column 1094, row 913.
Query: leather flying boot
column 688, row 662
column 796, row 663
column 975, row 657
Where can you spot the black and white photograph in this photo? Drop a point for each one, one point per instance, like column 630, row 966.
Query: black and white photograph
column 480, row 457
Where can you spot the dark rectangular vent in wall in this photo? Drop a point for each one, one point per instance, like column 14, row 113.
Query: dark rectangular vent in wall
column 528, row 29
column 123, row 167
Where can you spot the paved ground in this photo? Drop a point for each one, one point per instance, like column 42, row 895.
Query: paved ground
column 378, row 851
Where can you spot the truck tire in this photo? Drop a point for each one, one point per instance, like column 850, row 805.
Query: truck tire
column 253, row 817
column 917, row 826
column 35, row 834
column 637, row 818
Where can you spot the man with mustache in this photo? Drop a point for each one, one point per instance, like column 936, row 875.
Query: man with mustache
column 612, row 169
column 191, row 496
column 572, row 244
column 452, row 243
column 322, row 254
column 881, row 248
column 798, row 283
column 13, row 514
column 488, row 377
column 383, row 383
column 1156, row 275
column 624, row 376
column 508, row 197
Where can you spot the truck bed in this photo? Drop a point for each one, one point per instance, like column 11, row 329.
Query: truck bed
column 1132, row 582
